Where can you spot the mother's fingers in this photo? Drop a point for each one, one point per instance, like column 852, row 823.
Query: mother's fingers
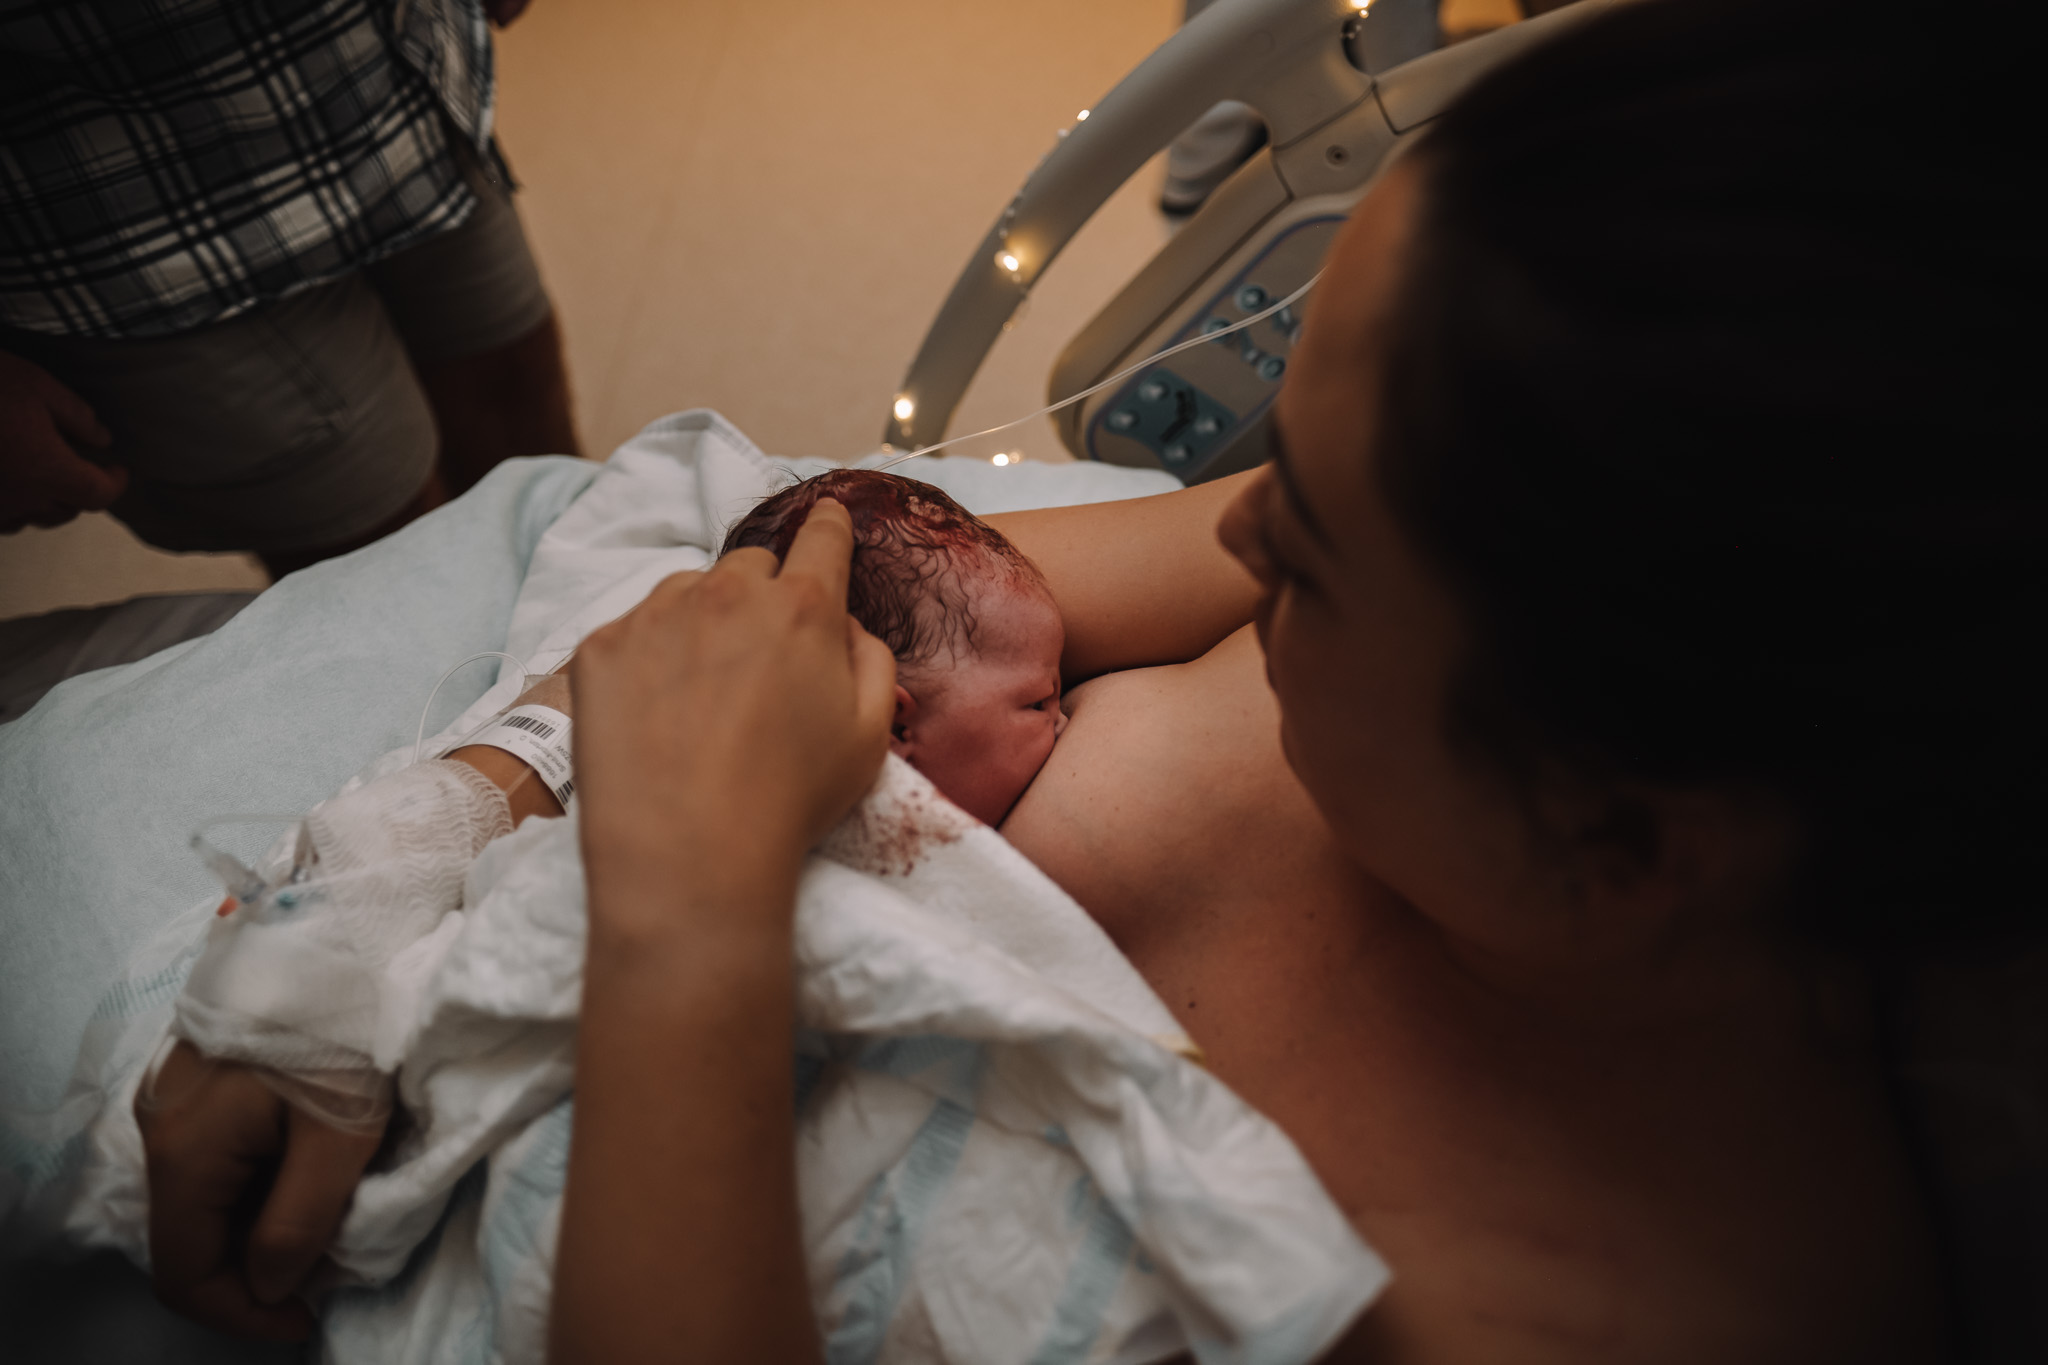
column 315, row 1183
column 823, row 549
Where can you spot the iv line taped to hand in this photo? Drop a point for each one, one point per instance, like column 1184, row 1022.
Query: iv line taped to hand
column 316, row 1002
column 1121, row 375
column 246, row 885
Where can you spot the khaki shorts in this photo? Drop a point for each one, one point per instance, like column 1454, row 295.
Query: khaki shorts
column 301, row 424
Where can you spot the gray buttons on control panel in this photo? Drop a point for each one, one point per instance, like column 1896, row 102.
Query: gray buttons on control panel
column 1172, row 418
column 1194, row 422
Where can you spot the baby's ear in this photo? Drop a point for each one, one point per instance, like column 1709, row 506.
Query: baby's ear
column 900, row 742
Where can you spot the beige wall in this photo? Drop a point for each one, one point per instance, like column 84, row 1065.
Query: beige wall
column 759, row 207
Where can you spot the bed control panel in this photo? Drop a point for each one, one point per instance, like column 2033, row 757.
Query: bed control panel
column 1174, row 420
column 1185, row 413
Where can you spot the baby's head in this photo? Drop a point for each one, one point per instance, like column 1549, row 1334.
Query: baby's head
column 976, row 634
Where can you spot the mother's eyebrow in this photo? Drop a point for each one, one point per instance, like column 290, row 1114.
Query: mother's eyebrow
column 1296, row 503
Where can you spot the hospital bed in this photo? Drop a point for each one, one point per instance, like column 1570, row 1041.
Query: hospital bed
column 1340, row 84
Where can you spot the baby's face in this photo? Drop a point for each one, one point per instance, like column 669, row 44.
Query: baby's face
column 981, row 724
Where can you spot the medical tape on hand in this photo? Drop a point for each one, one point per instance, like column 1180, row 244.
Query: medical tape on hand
column 539, row 736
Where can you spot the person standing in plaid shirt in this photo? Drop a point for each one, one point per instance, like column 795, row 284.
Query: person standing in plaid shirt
column 262, row 286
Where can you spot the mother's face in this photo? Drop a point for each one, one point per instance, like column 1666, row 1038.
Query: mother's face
column 1361, row 638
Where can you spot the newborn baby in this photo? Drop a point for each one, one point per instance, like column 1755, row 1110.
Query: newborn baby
column 976, row 634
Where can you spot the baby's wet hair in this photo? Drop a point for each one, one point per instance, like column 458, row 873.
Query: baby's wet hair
column 913, row 549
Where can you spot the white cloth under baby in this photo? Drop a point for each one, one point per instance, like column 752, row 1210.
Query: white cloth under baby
column 1003, row 1154
column 1003, row 1157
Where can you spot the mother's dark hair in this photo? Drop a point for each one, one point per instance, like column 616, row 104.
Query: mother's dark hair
column 1707, row 394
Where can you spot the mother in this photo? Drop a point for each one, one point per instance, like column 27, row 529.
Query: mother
column 1640, row 583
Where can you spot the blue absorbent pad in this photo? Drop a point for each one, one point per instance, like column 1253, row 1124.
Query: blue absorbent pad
column 103, row 783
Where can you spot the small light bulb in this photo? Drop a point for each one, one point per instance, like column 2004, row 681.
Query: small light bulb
column 1008, row 261
column 904, row 407
column 1361, row 5
column 999, row 460
column 1082, row 117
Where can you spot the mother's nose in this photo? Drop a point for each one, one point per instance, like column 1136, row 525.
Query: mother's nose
column 1238, row 528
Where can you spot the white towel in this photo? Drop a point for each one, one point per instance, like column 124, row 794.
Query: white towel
column 1003, row 1153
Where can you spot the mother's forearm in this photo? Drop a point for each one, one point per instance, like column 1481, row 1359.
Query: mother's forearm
column 730, row 721
column 1138, row 582
column 680, row 1237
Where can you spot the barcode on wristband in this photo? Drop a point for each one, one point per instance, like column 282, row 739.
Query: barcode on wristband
column 540, row 728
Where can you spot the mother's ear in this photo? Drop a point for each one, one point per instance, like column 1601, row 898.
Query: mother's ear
column 1661, row 857
column 903, row 729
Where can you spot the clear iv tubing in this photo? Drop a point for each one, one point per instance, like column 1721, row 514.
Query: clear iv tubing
column 241, row 881
column 1118, row 377
column 236, row 878
column 420, row 736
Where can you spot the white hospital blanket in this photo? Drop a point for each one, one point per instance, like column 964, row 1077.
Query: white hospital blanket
column 999, row 1160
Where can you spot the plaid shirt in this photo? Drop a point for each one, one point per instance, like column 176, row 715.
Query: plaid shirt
column 169, row 163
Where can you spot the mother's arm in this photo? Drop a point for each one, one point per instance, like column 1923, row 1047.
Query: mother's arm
column 247, row 1191
column 722, row 728
column 1138, row 582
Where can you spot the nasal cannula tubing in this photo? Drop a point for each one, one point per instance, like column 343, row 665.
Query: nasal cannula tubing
column 420, row 736
column 1093, row 389
column 243, row 882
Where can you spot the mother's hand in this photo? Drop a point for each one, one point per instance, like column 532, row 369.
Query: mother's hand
column 730, row 720
column 245, row 1193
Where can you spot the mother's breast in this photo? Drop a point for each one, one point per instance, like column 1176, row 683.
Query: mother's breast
column 1168, row 797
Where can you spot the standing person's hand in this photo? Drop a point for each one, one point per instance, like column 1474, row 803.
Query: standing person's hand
column 44, row 481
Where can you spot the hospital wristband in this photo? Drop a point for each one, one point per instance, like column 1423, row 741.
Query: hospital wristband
column 539, row 737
